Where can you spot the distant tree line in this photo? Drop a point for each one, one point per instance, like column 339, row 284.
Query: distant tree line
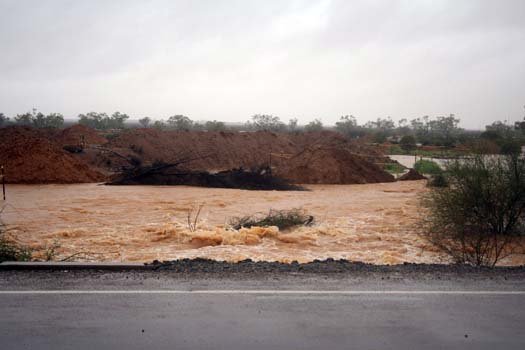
column 439, row 131
column 34, row 119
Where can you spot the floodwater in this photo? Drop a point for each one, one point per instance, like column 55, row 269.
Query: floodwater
column 409, row 161
column 375, row 223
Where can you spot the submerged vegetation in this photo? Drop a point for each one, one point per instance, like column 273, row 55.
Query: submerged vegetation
column 10, row 250
column 259, row 178
column 425, row 166
column 283, row 219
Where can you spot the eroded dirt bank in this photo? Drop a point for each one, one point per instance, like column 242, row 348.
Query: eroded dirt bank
column 79, row 154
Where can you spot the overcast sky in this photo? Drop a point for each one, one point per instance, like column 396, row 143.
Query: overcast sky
column 228, row 60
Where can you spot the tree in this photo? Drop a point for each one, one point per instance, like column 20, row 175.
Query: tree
column 520, row 125
column 292, row 124
column 160, row 125
column 214, row 126
column 265, row 122
column 408, row 142
column 180, row 122
column 94, row 120
column 444, row 130
column 197, row 126
column 403, row 127
column 500, row 128
column 38, row 120
column 145, row 122
column 54, row 120
column 510, row 147
column 314, row 125
column 481, row 214
column 491, row 135
column 421, row 128
column 101, row 121
column 384, row 125
column 117, row 120
column 347, row 125
column 24, row 119
column 3, row 120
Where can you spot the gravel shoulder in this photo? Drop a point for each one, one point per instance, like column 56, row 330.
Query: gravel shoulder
column 326, row 275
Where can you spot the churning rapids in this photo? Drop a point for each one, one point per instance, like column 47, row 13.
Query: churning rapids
column 375, row 223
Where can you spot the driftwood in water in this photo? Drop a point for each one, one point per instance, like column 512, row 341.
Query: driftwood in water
column 171, row 174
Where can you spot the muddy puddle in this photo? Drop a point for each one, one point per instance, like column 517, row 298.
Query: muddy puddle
column 374, row 223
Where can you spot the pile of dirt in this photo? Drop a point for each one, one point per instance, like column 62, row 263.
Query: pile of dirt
column 39, row 156
column 225, row 150
column 412, row 175
column 319, row 157
column 77, row 134
column 324, row 165
column 30, row 157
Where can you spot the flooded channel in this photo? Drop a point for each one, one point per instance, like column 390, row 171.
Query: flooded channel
column 374, row 223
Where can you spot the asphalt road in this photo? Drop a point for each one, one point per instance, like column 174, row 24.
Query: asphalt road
column 81, row 310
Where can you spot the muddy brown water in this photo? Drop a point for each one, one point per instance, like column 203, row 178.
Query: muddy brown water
column 374, row 223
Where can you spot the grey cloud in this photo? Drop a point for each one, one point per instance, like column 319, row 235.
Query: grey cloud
column 230, row 59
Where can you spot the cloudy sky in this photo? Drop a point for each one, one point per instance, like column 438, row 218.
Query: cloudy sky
column 228, row 60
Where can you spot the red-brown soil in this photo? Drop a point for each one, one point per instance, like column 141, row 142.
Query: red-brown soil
column 37, row 156
column 412, row 175
column 29, row 157
column 76, row 133
column 329, row 165
column 322, row 157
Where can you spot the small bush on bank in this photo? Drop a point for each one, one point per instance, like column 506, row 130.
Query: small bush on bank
column 424, row 166
column 394, row 168
column 10, row 251
column 479, row 218
column 283, row 219
column 438, row 180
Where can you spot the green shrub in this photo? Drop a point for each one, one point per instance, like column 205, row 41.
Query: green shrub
column 438, row 180
column 10, row 251
column 425, row 166
column 395, row 149
column 480, row 217
column 393, row 168
column 510, row 147
column 408, row 142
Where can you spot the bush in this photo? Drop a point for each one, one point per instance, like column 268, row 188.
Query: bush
column 283, row 219
column 438, row 180
column 424, row 166
column 510, row 147
column 480, row 217
column 408, row 142
column 394, row 168
column 315, row 125
column 10, row 251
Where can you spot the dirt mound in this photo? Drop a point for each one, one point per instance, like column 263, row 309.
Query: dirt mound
column 320, row 157
column 30, row 157
column 332, row 166
column 412, row 175
column 76, row 134
column 225, row 150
